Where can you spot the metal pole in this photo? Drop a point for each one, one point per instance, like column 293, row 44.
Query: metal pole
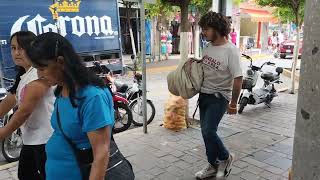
column 143, row 56
column 138, row 30
column 2, row 67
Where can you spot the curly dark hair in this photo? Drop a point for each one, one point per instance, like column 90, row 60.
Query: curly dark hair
column 217, row 21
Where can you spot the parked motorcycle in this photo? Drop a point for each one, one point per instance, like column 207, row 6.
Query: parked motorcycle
column 266, row 93
column 123, row 113
column 134, row 95
column 11, row 145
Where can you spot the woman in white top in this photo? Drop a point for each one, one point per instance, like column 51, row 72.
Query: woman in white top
column 34, row 99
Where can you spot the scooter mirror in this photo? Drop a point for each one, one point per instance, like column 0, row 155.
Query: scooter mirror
column 270, row 63
column 246, row 56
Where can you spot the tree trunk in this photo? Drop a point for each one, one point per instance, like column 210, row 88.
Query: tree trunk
column 184, row 30
column 155, row 39
column 306, row 147
column 295, row 57
column 197, row 37
column 184, row 43
column 128, row 13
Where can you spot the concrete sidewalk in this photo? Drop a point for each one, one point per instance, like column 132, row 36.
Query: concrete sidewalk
column 261, row 138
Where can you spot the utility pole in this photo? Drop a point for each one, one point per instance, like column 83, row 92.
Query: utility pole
column 144, row 73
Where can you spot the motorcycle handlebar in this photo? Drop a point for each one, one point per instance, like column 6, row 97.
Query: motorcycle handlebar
column 246, row 56
column 268, row 63
column 249, row 58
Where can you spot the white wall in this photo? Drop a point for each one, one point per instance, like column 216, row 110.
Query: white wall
column 215, row 5
column 229, row 8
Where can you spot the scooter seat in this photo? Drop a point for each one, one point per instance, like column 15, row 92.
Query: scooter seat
column 269, row 76
column 121, row 87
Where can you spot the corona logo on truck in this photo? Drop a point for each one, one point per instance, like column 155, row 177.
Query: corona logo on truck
column 92, row 26
column 80, row 25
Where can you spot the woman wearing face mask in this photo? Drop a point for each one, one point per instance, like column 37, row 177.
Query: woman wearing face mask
column 34, row 99
column 83, row 116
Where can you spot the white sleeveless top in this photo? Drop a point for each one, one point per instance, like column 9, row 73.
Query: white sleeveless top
column 37, row 128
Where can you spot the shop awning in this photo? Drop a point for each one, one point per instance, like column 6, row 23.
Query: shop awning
column 257, row 15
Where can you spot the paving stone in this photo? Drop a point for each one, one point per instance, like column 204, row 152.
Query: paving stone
column 143, row 175
column 190, row 159
column 167, row 176
column 156, row 171
column 274, row 170
column 169, row 158
column 248, row 176
column 174, row 170
column 279, row 162
column 182, row 164
column 241, row 164
column 159, row 153
column 261, row 155
column 236, row 171
column 284, row 148
column 177, row 153
column 254, row 162
column 234, row 177
column 270, row 176
column 253, row 169
column 162, row 164
column 5, row 175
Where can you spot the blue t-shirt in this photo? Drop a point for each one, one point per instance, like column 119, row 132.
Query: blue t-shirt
column 96, row 111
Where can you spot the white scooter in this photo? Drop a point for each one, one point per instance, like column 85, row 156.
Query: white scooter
column 266, row 93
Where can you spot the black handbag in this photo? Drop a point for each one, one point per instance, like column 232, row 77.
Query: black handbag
column 119, row 168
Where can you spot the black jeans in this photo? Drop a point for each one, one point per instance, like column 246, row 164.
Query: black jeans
column 32, row 162
column 212, row 109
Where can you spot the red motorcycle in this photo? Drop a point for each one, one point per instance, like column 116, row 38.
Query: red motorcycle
column 122, row 112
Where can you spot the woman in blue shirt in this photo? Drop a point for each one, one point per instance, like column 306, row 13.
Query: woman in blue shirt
column 83, row 105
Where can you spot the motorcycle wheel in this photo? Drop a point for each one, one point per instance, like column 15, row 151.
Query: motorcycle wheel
column 243, row 103
column 123, row 117
column 11, row 146
column 136, row 108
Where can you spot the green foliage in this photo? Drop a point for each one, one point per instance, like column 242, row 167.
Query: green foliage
column 202, row 6
column 285, row 14
column 163, row 8
column 292, row 10
column 160, row 8
column 275, row 3
column 237, row 2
